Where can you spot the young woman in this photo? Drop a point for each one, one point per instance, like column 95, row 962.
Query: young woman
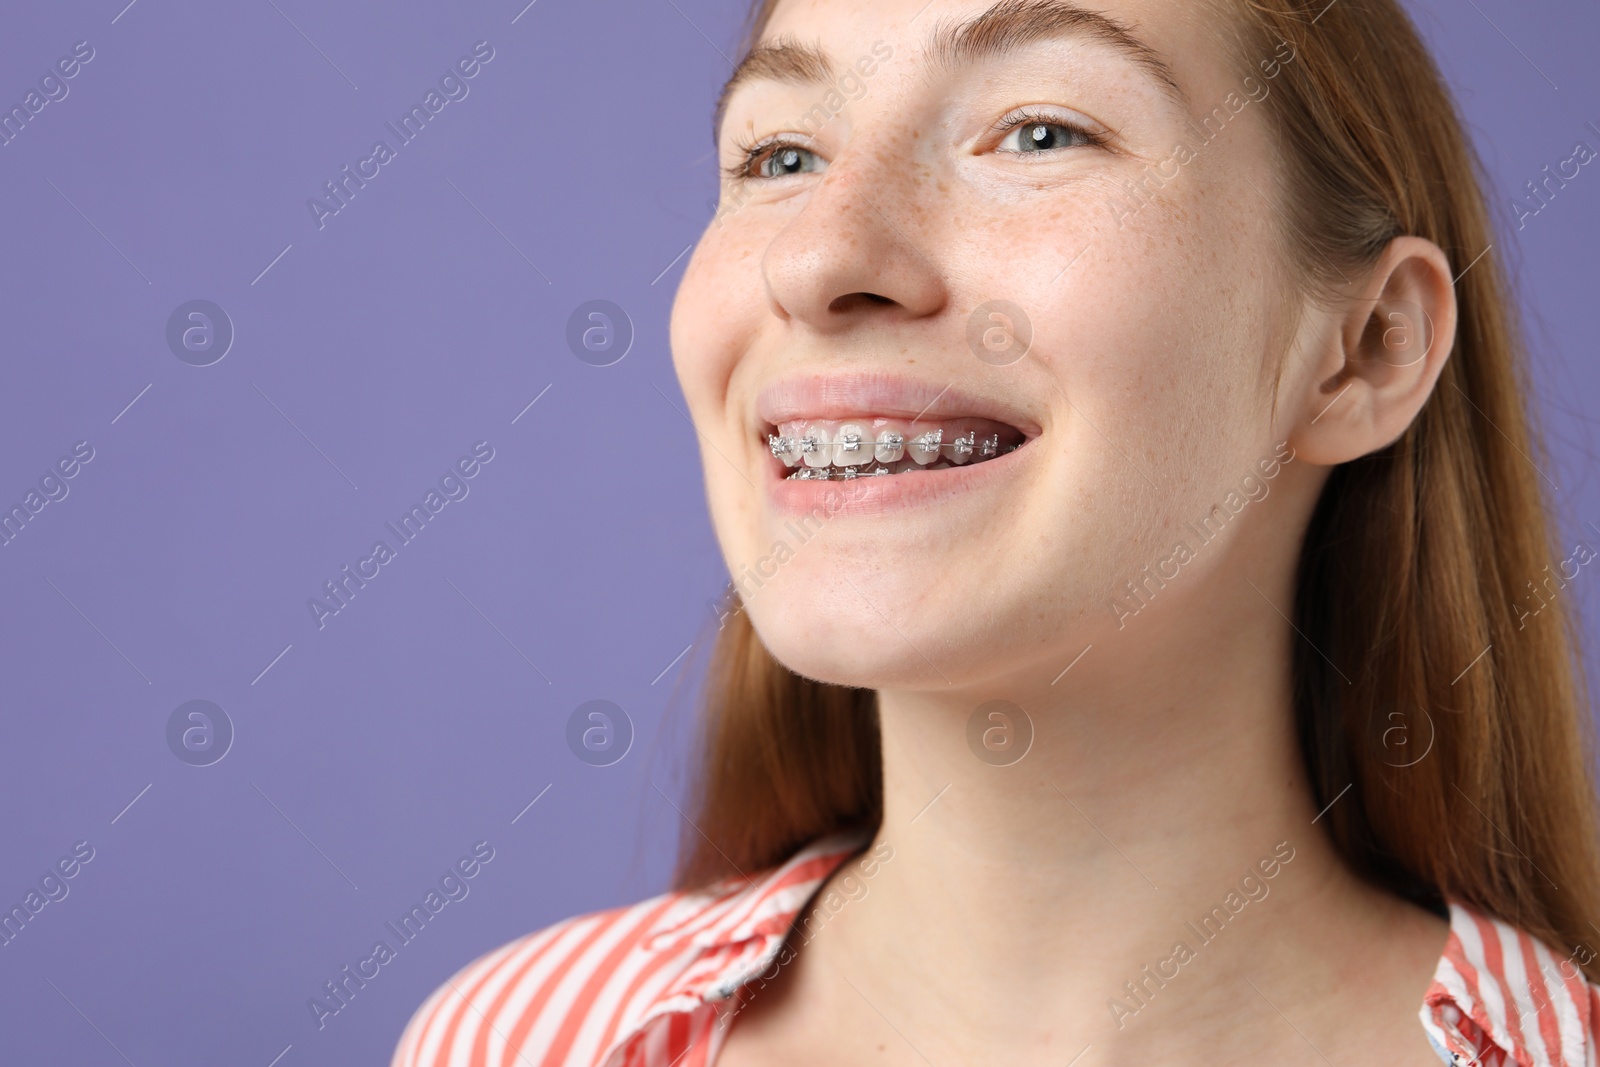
column 1146, row 643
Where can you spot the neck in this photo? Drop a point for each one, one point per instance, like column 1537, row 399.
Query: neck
column 1138, row 861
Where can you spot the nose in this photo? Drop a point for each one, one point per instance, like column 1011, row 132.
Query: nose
column 847, row 256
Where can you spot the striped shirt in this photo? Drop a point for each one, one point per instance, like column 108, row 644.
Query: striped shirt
column 644, row 985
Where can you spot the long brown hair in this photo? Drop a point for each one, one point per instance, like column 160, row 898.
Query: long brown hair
column 1417, row 573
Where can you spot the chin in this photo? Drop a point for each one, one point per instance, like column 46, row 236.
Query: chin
column 826, row 663
column 840, row 647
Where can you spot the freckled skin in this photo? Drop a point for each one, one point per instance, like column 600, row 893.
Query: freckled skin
column 1158, row 322
column 1148, row 350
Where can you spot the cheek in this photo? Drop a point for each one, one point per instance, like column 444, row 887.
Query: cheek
column 712, row 325
column 1151, row 329
column 1152, row 336
column 716, row 316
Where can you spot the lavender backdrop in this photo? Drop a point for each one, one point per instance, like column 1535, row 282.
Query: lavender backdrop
column 218, row 484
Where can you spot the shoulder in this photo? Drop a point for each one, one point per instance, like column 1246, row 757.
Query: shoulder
column 570, row 983
column 1500, row 990
column 574, row 991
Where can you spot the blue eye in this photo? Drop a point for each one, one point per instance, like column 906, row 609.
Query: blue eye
column 786, row 159
column 1034, row 134
column 773, row 159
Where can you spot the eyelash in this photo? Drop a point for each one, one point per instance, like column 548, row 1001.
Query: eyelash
column 751, row 151
column 1036, row 118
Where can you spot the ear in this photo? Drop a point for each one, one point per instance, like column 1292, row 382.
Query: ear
column 1373, row 373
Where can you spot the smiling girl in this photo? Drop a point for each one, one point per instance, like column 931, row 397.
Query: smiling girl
column 924, row 333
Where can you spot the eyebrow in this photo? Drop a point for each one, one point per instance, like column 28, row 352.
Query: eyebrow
column 1008, row 26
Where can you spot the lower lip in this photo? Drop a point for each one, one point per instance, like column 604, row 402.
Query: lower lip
column 876, row 494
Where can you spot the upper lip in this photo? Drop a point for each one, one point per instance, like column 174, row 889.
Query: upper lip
column 869, row 393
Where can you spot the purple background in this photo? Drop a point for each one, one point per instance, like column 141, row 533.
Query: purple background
column 422, row 318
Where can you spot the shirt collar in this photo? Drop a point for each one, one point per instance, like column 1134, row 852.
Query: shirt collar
column 1498, row 997
column 735, row 929
column 740, row 909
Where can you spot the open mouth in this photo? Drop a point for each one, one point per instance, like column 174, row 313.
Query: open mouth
column 839, row 449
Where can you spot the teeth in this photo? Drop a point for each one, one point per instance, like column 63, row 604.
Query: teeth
column 925, row 447
column 964, row 446
column 851, row 447
column 891, row 446
column 877, row 447
column 785, row 448
column 816, row 449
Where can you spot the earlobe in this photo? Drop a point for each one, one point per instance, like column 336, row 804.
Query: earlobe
column 1381, row 357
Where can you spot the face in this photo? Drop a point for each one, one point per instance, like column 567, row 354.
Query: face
column 1044, row 266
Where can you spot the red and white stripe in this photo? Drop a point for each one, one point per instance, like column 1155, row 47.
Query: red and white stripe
column 636, row 986
column 645, row 985
column 1499, row 996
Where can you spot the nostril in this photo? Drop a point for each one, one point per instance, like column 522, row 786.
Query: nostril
column 844, row 303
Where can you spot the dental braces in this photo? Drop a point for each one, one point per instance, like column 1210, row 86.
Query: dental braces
column 931, row 441
column 837, row 474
